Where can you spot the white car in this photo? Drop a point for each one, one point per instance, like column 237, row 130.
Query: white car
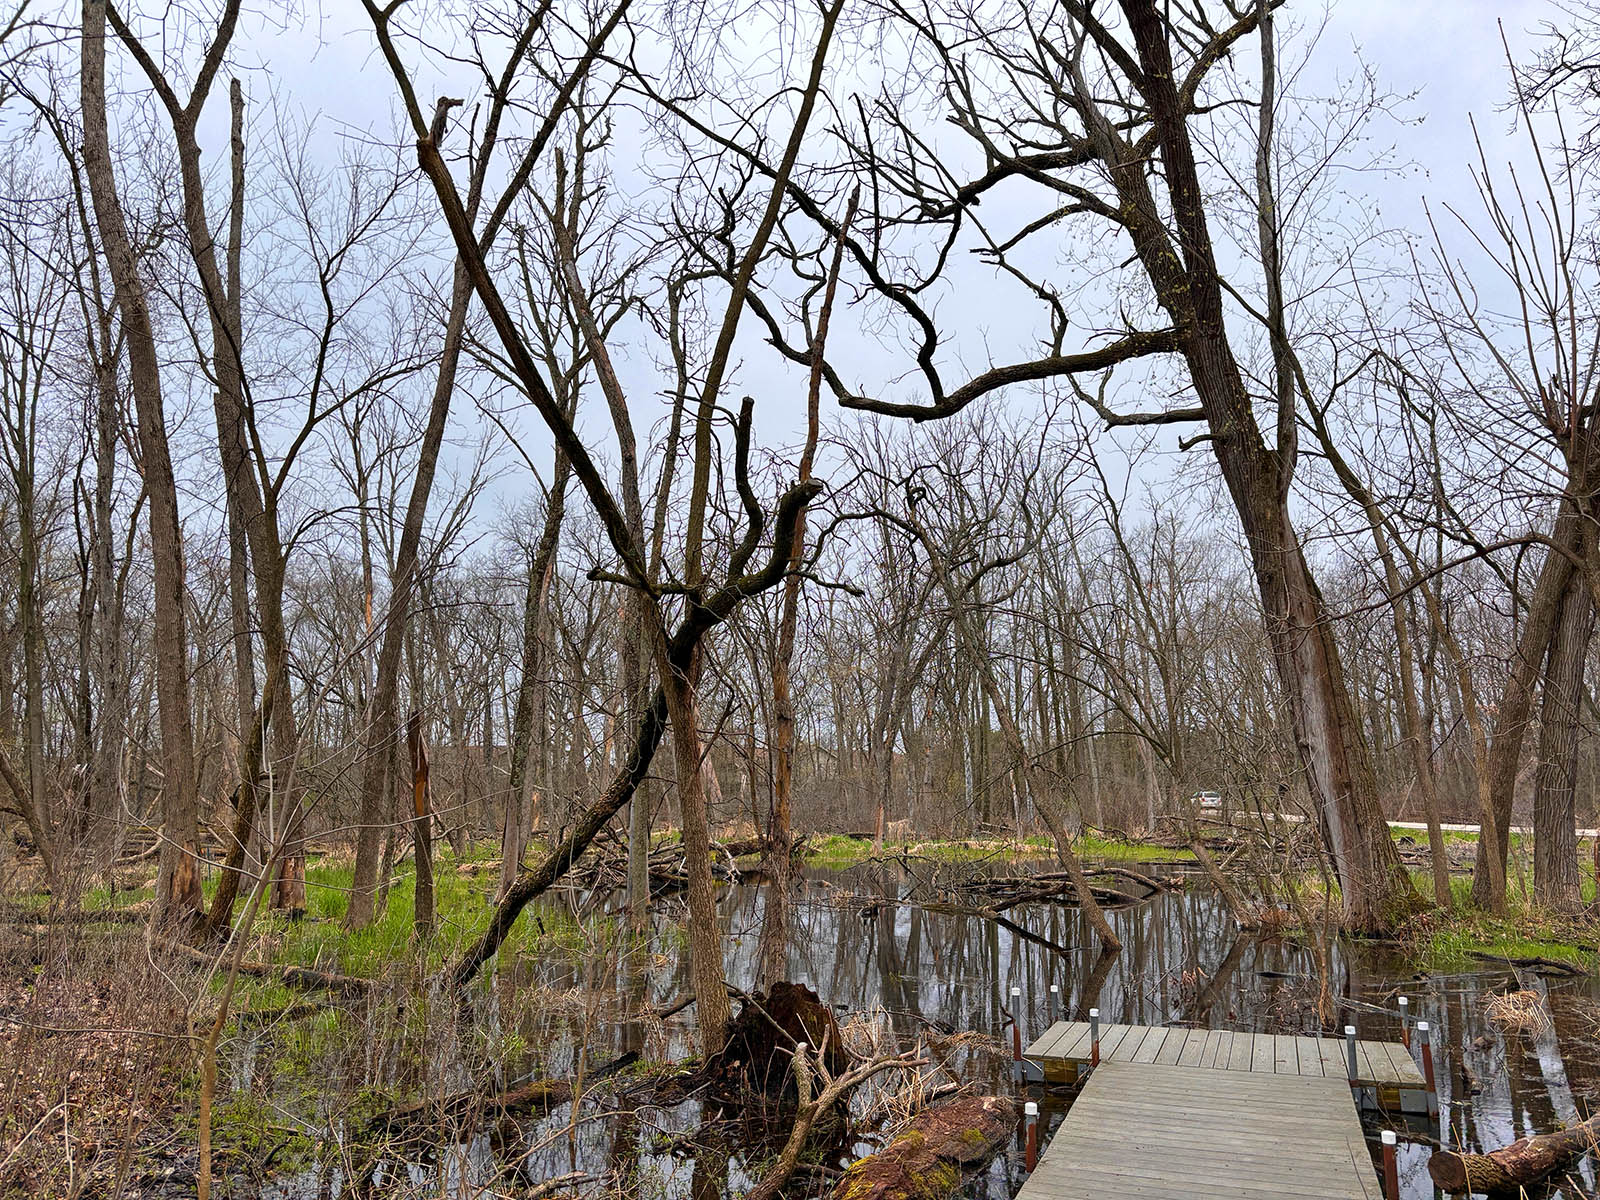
column 1209, row 801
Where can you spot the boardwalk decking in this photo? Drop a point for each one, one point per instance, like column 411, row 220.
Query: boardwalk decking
column 1145, row 1130
column 1386, row 1074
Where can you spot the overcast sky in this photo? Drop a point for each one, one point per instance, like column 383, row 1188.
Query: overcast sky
column 1448, row 57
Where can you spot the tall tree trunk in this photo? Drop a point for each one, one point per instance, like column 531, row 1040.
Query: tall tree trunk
column 1516, row 708
column 1555, row 841
column 178, row 895
column 1181, row 265
column 421, row 828
column 705, row 928
column 381, row 726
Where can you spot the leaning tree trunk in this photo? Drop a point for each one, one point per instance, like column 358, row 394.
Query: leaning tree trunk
column 178, row 894
column 1515, row 711
column 1173, row 243
column 1555, row 841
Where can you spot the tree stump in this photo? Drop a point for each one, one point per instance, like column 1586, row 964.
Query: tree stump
column 761, row 1040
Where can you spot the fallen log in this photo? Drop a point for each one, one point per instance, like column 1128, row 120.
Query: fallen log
column 1541, row 966
column 300, row 978
column 1523, row 1163
column 931, row 1155
column 472, row 1109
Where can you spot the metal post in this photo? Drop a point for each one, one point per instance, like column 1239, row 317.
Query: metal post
column 1350, row 1054
column 1055, row 1001
column 1016, row 1033
column 1094, row 1037
column 1030, row 1112
column 1391, row 1170
column 1426, row 1038
column 1405, row 1021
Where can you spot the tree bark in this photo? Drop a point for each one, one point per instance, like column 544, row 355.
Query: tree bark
column 421, row 828
column 1515, row 711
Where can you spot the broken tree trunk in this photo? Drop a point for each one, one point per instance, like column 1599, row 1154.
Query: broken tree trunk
column 1519, row 1165
column 932, row 1154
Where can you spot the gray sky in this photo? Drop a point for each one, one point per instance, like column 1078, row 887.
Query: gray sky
column 1448, row 54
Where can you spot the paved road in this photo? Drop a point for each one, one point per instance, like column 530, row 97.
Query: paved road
column 1447, row 828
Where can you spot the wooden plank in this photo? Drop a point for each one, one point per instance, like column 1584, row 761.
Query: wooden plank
column 1129, row 1044
column 1049, row 1043
column 1263, row 1057
column 1310, row 1056
column 1110, row 1037
column 1333, row 1058
column 1368, row 1070
column 1208, row 1056
column 1142, row 1131
column 1397, row 1064
column 1173, row 1047
column 1284, row 1060
column 1194, row 1048
column 1241, row 1053
column 1151, row 1046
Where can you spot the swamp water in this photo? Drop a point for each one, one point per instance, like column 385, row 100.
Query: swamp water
column 857, row 939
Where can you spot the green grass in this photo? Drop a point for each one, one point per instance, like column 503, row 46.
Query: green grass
column 836, row 850
column 1454, row 941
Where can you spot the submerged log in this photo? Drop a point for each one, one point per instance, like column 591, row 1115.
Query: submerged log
column 1523, row 1163
column 474, row 1109
column 928, row 1160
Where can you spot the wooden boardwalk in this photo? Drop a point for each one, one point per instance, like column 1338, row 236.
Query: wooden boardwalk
column 1386, row 1074
column 1142, row 1130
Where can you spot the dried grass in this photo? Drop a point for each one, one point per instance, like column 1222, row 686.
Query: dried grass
column 1521, row 1012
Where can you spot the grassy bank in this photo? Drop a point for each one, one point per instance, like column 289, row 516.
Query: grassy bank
column 837, row 851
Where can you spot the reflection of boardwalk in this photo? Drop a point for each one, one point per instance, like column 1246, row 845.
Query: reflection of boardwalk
column 1151, row 1131
column 1385, row 1071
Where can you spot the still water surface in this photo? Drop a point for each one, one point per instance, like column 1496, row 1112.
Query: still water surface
column 864, row 938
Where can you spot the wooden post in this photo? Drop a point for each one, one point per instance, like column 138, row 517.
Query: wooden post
column 421, row 827
column 1055, row 1002
column 1405, row 1021
column 1350, row 1054
column 1030, row 1112
column 1425, row 1037
column 1094, row 1037
column 1391, row 1170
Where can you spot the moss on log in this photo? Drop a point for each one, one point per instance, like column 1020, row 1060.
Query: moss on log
column 1512, row 1168
column 935, row 1152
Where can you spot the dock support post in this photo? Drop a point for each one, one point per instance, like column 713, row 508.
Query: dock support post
column 1016, row 1033
column 1094, row 1037
column 1391, row 1170
column 1405, row 1021
column 1055, row 1002
column 1030, row 1112
column 1426, row 1038
column 1350, row 1054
